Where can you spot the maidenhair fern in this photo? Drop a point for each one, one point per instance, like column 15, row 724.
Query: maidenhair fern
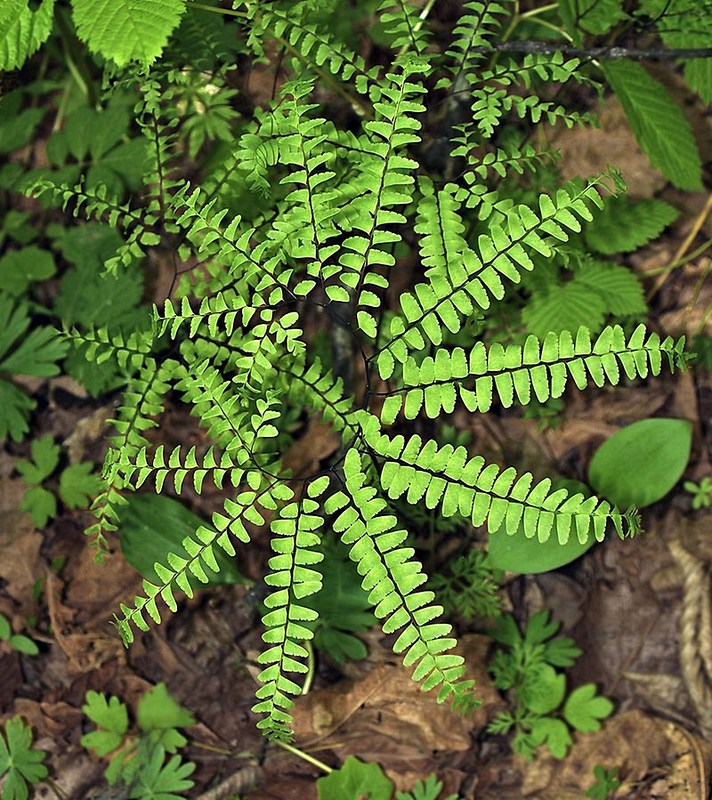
column 330, row 210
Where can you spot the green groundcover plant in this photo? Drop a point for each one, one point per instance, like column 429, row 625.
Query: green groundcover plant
column 299, row 217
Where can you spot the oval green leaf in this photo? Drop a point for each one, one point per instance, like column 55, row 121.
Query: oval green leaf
column 641, row 463
column 518, row 553
column 152, row 526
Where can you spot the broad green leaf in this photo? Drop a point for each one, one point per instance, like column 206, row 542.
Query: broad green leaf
column 591, row 16
column 23, row 30
column 152, row 526
column 355, row 780
column 342, row 605
column 23, row 644
column 127, row 30
column 584, row 710
column 5, row 629
column 624, row 226
column 641, row 463
column 528, row 556
column 19, row 763
column 20, row 268
column 657, row 122
column 158, row 710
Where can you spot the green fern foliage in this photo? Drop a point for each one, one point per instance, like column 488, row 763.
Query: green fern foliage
column 305, row 223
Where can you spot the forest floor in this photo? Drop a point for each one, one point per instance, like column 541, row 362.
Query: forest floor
column 639, row 609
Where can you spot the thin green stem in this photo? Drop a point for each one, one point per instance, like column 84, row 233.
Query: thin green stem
column 311, row 666
column 305, row 756
column 534, row 12
column 225, row 11
column 427, row 8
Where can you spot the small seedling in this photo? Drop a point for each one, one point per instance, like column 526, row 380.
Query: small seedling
column 701, row 492
column 139, row 761
column 23, row 644
column 541, row 712
column 606, row 783
column 356, row 779
column 20, row 765
column 77, row 484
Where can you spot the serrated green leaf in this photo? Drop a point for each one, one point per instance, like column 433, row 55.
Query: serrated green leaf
column 591, row 16
column 619, row 288
column 624, row 225
column 564, row 308
column 657, row 122
column 23, row 30
column 127, row 30
column 19, row 763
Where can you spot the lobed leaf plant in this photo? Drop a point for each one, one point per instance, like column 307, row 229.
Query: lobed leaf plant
column 305, row 220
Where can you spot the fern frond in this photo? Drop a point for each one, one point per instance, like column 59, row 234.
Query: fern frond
column 293, row 578
column 231, row 246
column 391, row 577
column 403, row 26
column 479, row 24
column 138, row 225
column 321, row 390
column 200, row 547
column 312, row 45
column 132, row 351
column 386, row 181
column 136, row 470
column 539, row 369
column 491, row 101
column 444, row 477
column 458, row 288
